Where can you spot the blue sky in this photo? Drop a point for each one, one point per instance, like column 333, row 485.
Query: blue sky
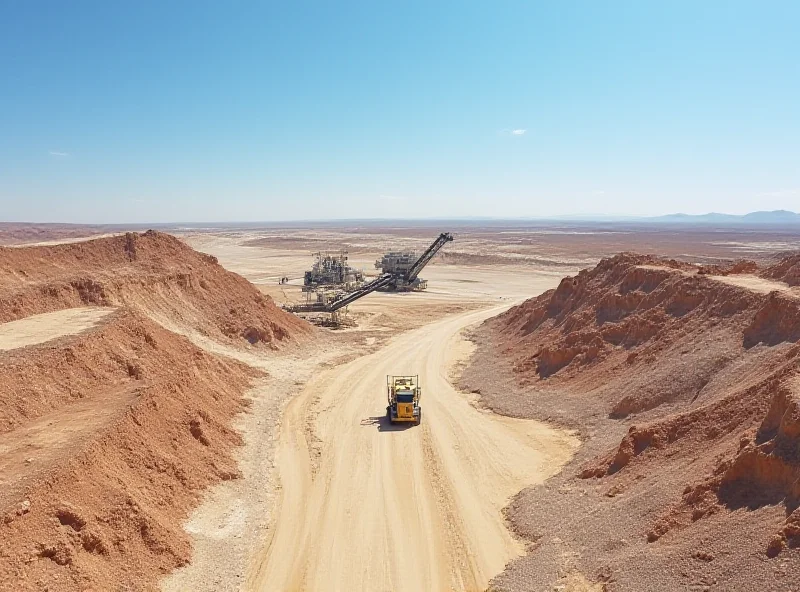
column 212, row 111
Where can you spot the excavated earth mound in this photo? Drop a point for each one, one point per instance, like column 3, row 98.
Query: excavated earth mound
column 110, row 432
column 152, row 272
column 684, row 385
column 109, row 438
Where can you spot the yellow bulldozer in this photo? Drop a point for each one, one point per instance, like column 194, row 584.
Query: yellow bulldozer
column 404, row 394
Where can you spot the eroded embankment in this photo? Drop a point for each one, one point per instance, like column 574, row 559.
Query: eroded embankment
column 153, row 272
column 110, row 435
column 105, row 509
column 685, row 388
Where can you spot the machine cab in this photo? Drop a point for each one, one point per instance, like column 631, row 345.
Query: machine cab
column 403, row 395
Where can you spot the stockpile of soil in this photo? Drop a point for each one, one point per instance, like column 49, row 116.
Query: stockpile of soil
column 153, row 272
column 102, row 508
column 685, row 390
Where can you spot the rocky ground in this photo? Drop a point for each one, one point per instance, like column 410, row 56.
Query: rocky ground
column 683, row 382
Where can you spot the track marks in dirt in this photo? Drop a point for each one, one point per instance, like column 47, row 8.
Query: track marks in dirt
column 430, row 496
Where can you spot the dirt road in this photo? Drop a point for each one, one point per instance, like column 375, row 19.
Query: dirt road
column 369, row 506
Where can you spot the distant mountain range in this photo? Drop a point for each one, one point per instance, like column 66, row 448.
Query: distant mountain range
column 773, row 217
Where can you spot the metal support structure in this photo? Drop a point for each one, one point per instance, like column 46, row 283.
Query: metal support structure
column 382, row 281
column 443, row 239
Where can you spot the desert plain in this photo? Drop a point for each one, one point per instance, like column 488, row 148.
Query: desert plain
column 607, row 406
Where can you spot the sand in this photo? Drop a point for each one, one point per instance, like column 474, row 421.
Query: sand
column 44, row 327
column 110, row 425
column 420, row 507
column 236, row 531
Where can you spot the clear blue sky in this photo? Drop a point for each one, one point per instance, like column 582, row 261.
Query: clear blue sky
column 230, row 111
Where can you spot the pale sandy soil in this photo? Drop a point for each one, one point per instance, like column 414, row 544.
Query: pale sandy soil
column 64, row 241
column 44, row 327
column 235, row 516
column 757, row 284
column 744, row 280
column 431, row 497
column 344, row 484
column 25, row 450
column 333, row 497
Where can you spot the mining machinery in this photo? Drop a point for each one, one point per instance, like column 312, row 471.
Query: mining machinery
column 384, row 281
column 399, row 263
column 330, row 269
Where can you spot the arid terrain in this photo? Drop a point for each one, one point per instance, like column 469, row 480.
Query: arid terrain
column 592, row 420
column 683, row 382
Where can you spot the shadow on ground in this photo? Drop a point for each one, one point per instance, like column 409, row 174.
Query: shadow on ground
column 384, row 425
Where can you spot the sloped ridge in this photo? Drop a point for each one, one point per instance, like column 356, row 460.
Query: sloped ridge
column 742, row 266
column 104, row 508
column 153, row 272
column 776, row 321
column 683, row 382
column 633, row 307
column 714, row 364
column 786, row 270
column 764, row 471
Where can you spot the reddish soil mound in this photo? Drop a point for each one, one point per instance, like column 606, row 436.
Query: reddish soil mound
column 623, row 327
column 153, row 272
column 101, row 508
column 787, row 270
column 765, row 471
column 708, row 371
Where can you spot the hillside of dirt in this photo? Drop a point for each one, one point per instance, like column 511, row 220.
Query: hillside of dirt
column 98, row 504
column 683, row 382
column 787, row 270
column 152, row 272
column 112, row 426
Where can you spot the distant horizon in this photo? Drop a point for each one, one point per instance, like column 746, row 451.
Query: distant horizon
column 711, row 217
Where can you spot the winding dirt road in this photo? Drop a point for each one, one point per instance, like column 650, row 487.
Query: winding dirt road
column 370, row 506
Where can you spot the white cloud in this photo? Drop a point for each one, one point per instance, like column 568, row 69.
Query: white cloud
column 512, row 132
column 391, row 197
column 57, row 153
